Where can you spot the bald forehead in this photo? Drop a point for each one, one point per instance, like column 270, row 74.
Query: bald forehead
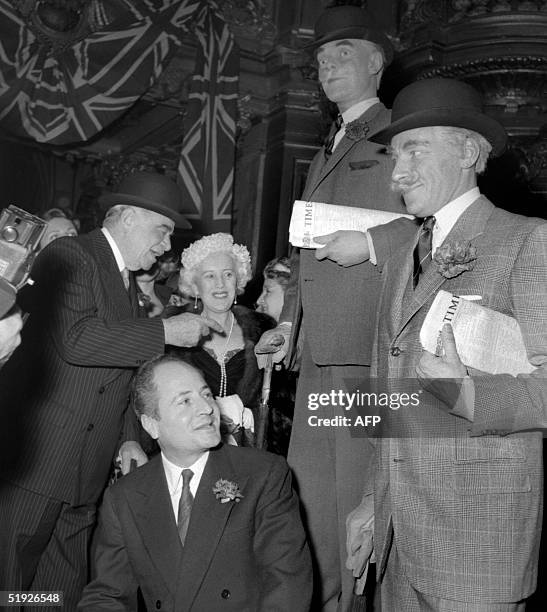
column 181, row 369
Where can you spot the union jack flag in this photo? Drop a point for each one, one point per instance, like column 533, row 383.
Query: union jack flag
column 68, row 95
column 207, row 158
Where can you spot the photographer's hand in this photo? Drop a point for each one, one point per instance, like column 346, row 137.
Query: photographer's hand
column 10, row 334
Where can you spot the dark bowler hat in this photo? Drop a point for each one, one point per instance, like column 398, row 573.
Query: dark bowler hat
column 441, row 102
column 341, row 22
column 151, row 191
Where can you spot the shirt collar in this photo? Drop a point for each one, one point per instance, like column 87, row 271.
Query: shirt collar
column 446, row 217
column 355, row 111
column 173, row 472
column 117, row 253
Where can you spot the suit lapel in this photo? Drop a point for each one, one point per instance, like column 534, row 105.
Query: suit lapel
column 207, row 524
column 156, row 523
column 467, row 228
column 110, row 275
column 324, row 168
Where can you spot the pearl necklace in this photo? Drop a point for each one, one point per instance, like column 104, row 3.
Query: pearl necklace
column 221, row 359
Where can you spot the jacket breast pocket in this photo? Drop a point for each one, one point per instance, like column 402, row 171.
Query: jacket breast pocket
column 489, row 448
column 363, row 164
column 490, row 477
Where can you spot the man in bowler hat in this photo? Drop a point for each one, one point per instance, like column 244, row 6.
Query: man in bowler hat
column 65, row 389
column 457, row 508
column 330, row 303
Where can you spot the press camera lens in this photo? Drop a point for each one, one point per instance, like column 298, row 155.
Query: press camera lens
column 10, row 234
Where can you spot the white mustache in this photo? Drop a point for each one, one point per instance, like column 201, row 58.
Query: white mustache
column 399, row 187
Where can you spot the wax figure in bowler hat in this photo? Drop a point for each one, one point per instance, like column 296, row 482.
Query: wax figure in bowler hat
column 332, row 296
column 457, row 507
column 65, row 389
column 164, row 530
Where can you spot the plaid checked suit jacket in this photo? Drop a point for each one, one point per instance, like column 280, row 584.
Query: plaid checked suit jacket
column 65, row 390
column 465, row 511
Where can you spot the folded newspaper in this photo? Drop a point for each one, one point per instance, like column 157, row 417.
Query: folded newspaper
column 311, row 219
column 486, row 340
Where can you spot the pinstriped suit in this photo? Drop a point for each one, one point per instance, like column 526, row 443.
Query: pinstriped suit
column 464, row 512
column 64, row 392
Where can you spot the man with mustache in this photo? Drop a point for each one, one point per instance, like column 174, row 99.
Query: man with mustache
column 201, row 527
column 65, row 389
column 457, row 509
column 331, row 299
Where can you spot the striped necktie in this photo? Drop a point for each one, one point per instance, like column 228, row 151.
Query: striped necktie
column 422, row 250
column 185, row 505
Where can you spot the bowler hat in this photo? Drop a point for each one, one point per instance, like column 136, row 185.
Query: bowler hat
column 340, row 22
column 441, row 102
column 151, row 191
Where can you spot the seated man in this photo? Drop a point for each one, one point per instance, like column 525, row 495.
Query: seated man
column 201, row 526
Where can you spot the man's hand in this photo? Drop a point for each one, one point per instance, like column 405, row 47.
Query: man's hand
column 443, row 376
column 131, row 451
column 275, row 342
column 359, row 536
column 344, row 247
column 186, row 329
column 448, row 365
column 10, row 336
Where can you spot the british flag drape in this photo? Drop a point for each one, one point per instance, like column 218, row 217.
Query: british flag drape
column 67, row 95
column 208, row 151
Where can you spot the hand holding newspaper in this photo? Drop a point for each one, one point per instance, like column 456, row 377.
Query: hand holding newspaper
column 311, row 219
column 486, row 340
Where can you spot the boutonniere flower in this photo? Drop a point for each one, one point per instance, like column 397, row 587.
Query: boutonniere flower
column 226, row 490
column 144, row 300
column 357, row 130
column 453, row 258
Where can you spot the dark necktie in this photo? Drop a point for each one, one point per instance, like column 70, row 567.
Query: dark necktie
column 422, row 251
column 185, row 505
column 329, row 145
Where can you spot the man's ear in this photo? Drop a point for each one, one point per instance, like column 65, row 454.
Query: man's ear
column 376, row 62
column 128, row 216
column 150, row 425
column 470, row 152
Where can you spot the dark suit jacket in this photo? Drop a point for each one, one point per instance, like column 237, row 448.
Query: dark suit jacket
column 244, row 557
column 465, row 511
column 339, row 304
column 64, row 391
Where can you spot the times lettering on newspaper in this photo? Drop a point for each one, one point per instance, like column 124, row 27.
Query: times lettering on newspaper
column 486, row 340
column 311, row 219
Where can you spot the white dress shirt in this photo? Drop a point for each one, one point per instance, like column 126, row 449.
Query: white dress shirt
column 446, row 217
column 351, row 114
column 173, row 473
column 115, row 249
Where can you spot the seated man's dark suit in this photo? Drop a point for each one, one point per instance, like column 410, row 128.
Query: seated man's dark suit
column 246, row 556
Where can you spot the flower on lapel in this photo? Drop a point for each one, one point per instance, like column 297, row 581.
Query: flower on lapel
column 144, row 300
column 226, row 490
column 453, row 258
column 357, row 130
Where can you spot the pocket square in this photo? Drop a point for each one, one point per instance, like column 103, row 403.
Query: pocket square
column 363, row 164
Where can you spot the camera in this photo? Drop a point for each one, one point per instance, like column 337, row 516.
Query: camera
column 20, row 234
